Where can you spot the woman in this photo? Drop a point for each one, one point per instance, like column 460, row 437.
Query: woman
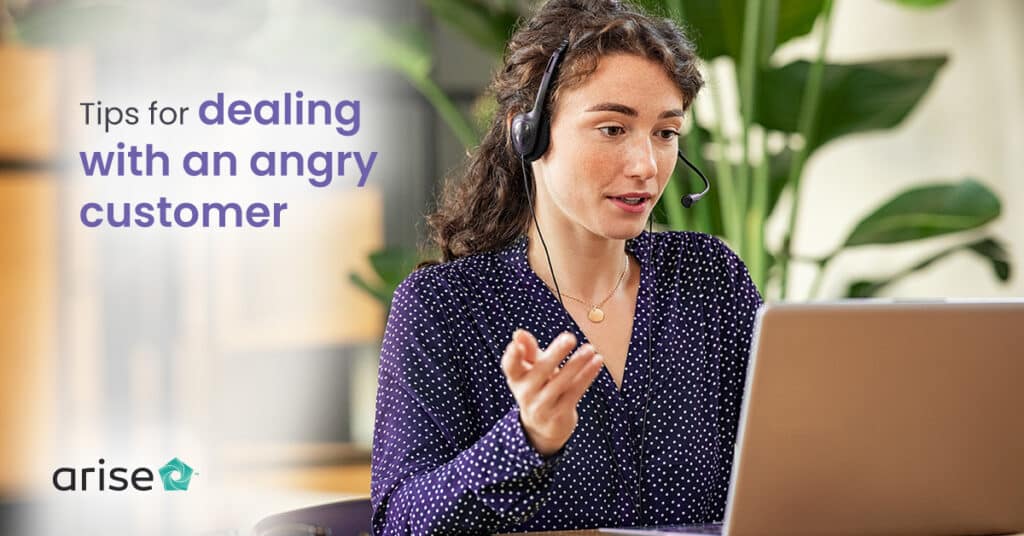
column 482, row 425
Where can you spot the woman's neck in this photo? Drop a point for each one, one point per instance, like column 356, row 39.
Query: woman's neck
column 587, row 266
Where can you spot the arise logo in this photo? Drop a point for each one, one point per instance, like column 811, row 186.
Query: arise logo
column 175, row 476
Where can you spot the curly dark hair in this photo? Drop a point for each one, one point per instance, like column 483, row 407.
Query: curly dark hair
column 488, row 208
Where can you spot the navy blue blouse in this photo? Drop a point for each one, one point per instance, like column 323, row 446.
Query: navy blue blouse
column 449, row 452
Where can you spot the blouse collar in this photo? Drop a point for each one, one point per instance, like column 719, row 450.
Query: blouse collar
column 515, row 253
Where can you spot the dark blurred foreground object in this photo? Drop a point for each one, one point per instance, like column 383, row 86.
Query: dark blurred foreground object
column 350, row 517
column 15, row 514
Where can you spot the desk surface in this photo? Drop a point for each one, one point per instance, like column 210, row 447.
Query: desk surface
column 588, row 532
column 595, row 532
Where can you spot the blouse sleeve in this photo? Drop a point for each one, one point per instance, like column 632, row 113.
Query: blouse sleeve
column 428, row 474
column 738, row 300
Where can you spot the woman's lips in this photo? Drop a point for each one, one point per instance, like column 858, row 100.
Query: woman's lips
column 634, row 209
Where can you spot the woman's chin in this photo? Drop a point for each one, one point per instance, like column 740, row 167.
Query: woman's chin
column 624, row 231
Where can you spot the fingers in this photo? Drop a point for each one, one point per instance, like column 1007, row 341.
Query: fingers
column 512, row 362
column 552, row 356
column 565, row 381
column 520, row 354
column 582, row 380
column 529, row 370
column 529, row 343
column 546, row 365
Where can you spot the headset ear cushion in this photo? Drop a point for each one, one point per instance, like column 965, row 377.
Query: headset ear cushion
column 523, row 134
column 542, row 138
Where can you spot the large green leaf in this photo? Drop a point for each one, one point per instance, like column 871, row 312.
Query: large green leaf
column 392, row 265
column 855, row 97
column 377, row 291
column 987, row 248
column 490, row 27
column 717, row 26
column 996, row 254
column 927, row 211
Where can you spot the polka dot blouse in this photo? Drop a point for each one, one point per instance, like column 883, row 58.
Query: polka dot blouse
column 449, row 453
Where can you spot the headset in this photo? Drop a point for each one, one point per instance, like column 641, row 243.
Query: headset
column 531, row 135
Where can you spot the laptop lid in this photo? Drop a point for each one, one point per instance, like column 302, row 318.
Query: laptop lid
column 872, row 417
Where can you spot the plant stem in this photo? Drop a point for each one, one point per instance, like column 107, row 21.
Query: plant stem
column 757, row 263
column 451, row 115
column 808, row 120
column 769, row 30
column 747, row 77
column 820, row 276
column 762, row 175
column 751, row 202
column 727, row 200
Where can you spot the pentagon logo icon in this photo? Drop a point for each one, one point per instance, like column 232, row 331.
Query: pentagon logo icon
column 176, row 475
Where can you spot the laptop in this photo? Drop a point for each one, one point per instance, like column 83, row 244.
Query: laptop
column 879, row 417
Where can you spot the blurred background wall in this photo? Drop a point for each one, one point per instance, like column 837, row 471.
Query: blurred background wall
column 253, row 355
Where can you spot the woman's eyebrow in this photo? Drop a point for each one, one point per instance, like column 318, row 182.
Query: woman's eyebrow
column 626, row 110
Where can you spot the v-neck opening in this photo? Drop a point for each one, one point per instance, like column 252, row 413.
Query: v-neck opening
column 633, row 361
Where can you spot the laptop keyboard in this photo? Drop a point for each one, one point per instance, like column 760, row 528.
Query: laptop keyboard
column 706, row 528
column 675, row 530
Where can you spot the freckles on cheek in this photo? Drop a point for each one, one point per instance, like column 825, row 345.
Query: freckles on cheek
column 595, row 162
column 665, row 168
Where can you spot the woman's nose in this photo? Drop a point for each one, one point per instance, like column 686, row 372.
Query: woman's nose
column 642, row 163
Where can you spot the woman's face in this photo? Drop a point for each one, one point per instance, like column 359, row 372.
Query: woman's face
column 612, row 137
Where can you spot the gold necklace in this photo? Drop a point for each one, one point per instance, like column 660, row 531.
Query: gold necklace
column 596, row 314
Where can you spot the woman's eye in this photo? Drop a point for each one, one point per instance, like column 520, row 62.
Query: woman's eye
column 612, row 130
column 668, row 134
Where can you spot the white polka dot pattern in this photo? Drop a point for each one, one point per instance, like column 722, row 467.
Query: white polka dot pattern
column 449, row 453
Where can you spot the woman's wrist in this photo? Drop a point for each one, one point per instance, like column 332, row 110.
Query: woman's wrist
column 545, row 447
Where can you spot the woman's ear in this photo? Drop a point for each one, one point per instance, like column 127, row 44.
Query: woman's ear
column 508, row 128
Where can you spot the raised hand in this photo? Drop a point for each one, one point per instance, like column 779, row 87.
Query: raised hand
column 546, row 393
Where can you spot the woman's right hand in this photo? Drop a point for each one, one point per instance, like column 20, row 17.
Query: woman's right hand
column 546, row 393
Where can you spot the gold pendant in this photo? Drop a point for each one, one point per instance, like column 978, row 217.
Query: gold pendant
column 596, row 315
